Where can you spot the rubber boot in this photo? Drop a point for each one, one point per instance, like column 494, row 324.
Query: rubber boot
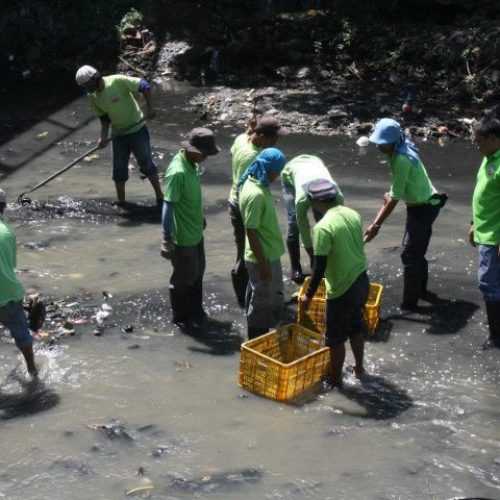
column 195, row 301
column 239, row 278
column 425, row 294
column 493, row 315
column 179, row 301
column 411, row 291
column 255, row 331
column 294, row 254
column 425, row 279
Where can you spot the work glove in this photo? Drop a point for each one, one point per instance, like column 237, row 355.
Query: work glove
column 167, row 249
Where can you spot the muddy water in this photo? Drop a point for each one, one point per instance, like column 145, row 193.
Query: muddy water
column 144, row 405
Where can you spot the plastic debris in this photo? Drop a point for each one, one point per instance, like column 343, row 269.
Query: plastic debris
column 363, row 141
column 42, row 135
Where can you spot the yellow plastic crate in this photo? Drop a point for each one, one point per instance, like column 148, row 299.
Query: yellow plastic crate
column 314, row 317
column 283, row 363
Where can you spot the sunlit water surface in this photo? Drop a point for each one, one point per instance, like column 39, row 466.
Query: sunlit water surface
column 144, row 409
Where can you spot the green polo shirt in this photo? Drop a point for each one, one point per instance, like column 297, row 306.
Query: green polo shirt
column 298, row 173
column 257, row 211
column 410, row 182
column 182, row 187
column 339, row 237
column 117, row 101
column 11, row 289
column 243, row 152
column 486, row 202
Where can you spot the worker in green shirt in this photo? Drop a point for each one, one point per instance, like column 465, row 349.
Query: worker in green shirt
column 298, row 173
column 411, row 184
column 260, row 134
column 183, row 224
column 485, row 229
column 339, row 256
column 12, row 314
column 264, row 243
column 113, row 102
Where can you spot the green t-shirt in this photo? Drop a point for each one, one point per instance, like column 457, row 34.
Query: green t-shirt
column 257, row 211
column 410, row 182
column 486, row 202
column 339, row 237
column 11, row 289
column 117, row 101
column 182, row 187
column 298, row 173
column 243, row 152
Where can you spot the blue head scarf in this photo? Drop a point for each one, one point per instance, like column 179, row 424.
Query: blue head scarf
column 388, row 131
column 267, row 161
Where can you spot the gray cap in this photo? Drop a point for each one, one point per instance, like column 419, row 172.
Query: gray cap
column 270, row 126
column 201, row 140
column 322, row 190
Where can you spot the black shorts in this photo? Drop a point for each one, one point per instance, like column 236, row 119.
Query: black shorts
column 344, row 314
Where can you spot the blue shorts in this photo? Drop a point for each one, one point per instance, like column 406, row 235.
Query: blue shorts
column 137, row 143
column 344, row 314
column 489, row 272
column 12, row 316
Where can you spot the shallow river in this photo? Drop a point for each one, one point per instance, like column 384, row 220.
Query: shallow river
column 426, row 425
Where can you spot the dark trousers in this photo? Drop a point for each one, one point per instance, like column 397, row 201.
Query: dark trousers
column 418, row 231
column 186, row 282
column 239, row 274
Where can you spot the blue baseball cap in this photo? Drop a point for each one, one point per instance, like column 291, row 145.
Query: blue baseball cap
column 386, row 131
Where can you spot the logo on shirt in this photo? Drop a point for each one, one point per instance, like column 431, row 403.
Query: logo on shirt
column 115, row 98
column 491, row 171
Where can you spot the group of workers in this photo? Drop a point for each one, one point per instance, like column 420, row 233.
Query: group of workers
column 334, row 245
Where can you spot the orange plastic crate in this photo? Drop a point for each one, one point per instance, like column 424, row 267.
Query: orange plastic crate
column 314, row 317
column 283, row 363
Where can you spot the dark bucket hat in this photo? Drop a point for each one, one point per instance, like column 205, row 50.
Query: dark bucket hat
column 201, row 140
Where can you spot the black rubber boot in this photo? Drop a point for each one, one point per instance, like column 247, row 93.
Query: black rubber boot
column 195, row 302
column 493, row 315
column 239, row 278
column 254, row 332
column 180, row 303
column 294, row 254
column 411, row 291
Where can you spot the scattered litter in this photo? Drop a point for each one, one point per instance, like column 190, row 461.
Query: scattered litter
column 182, row 365
column 42, row 135
column 139, row 489
column 363, row 141
column 92, row 157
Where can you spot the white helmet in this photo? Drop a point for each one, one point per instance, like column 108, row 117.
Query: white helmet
column 85, row 74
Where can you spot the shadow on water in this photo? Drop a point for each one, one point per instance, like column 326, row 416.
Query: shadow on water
column 382, row 333
column 218, row 337
column 443, row 316
column 380, row 398
column 34, row 398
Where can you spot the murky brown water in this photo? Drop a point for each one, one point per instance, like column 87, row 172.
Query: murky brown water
column 426, row 426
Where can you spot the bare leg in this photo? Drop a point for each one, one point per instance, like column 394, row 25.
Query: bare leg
column 120, row 191
column 337, row 357
column 30, row 360
column 155, row 182
column 357, row 345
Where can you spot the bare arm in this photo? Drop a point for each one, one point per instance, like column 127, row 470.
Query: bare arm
column 383, row 213
column 150, row 111
column 105, row 123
